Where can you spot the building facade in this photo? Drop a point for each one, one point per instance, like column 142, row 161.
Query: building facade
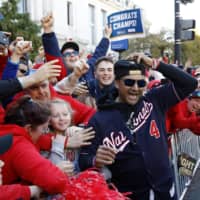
column 81, row 20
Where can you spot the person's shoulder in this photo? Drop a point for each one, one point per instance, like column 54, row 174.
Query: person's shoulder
column 104, row 114
column 102, row 118
column 160, row 90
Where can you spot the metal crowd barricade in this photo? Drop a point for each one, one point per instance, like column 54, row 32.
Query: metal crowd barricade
column 184, row 141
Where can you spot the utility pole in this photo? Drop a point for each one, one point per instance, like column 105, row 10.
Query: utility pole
column 177, row 45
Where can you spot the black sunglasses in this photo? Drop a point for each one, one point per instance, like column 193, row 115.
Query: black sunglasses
column 131, row 82
column 68, row 54
column 23, row 71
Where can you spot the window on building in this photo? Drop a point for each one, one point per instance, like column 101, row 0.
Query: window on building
column 22, row 6
column 92, row 23
column 126, row 3
column 69, row 14
column 104, row 20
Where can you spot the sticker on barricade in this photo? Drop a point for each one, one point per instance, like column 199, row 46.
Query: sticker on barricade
column 186, row 164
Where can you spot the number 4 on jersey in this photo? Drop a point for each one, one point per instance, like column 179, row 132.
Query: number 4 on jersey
column 154, row 129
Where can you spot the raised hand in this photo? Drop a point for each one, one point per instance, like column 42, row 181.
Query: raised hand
column 79, row 138
column 107, row 31
column 140, row 58
column 14, row 42
column 22, row 47
column 80, row 68
column 46, row 71
column 19, row 49
column 47, row 23
column 80, row 89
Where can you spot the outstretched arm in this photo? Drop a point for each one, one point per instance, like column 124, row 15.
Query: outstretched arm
column 50, row 44
column 101, row 50
column 12, row 86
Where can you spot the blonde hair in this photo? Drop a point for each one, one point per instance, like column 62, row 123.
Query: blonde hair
column 61, row 101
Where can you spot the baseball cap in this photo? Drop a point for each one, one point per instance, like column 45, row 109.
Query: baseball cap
column 70, row 45
column 5, row 142
column 126, row 67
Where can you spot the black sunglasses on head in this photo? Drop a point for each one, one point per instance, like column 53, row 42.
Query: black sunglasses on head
column 131, row 82
column 68, row 54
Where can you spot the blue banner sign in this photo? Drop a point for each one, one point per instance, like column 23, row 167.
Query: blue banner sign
column 127, row 22
column 119, row 45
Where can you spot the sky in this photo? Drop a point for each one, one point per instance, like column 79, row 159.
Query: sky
column 160, row 13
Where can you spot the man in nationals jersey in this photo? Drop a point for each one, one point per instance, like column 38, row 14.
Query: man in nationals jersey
column 130, row 130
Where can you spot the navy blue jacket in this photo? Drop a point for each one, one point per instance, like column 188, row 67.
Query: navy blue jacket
column 10, row 71
column 138, row 134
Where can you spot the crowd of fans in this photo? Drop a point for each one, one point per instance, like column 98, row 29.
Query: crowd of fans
column 66, row 114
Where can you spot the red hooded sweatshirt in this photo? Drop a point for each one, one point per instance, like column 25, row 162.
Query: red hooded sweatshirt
column 179, row 117
column 3, row 61
column 15, row 191
column 23, row 162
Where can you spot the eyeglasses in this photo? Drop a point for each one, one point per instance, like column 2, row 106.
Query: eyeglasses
column 23, row 71
column 131, row 82
column 68, row 54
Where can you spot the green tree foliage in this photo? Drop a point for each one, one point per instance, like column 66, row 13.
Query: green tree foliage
column 156, row 44
column 19, row 24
